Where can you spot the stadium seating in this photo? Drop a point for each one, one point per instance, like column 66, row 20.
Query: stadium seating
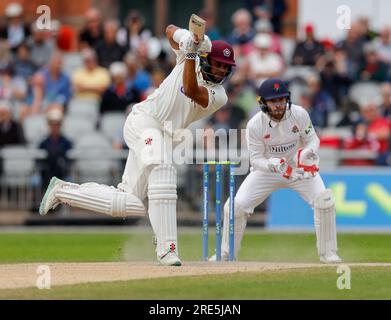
column 75, row 127
column 19, row 164
column 94, row 159
column 87, row 108
column 35, row 128
column 111, row 122
column 365, row 91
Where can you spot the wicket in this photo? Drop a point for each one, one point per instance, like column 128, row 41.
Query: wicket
column 218, row 188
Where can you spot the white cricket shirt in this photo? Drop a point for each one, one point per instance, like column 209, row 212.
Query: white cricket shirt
column 169, row 103
column 269, row 139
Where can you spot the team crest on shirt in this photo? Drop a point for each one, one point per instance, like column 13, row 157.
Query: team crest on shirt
column 295, row 129
column 148, row 141
column 266, row 136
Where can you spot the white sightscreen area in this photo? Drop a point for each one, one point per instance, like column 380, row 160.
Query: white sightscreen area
column 323, row 15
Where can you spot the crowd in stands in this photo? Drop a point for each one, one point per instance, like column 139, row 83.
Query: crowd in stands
column 117, row 64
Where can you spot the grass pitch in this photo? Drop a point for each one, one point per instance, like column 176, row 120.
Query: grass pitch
column 309, row 283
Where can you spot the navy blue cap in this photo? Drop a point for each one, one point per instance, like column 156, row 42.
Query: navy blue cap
column 273, row 88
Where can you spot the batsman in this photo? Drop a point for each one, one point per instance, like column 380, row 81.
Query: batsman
column 193, row 90
column 283, row 147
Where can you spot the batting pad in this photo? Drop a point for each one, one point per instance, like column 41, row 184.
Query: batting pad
column 239, row 227
column 100, row 198
column 324, row 207
column 162, row 196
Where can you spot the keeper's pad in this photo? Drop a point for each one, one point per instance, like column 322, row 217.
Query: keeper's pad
column 162, row 196
column 239, row 227
column 324, row 210
column 100, row 198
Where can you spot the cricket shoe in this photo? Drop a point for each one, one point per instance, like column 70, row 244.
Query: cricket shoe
column 49, row 200
column 330, row 258
column 170, row 259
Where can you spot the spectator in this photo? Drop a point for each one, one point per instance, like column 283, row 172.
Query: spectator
column 264, row 26
column 108, row 50
column 262, row 63
column 335, row 83
column 270, row 10
column 93, row 31
column 41, row 50
column 221, row 120
column 372, row 67
column 307, row 52
column 57, row 85
column 157, row 77
column 211, row 30
column 366, row 31
column 121, row 93
column 385, row 106
column 140, row 79
column 13, row 89
column 90, row 81
column 373, row 132
column 23, row 65
column 56, row 145
column 383, row 45
column 134, row 32
column 5, row 52
column 64, row 36
column 321, row 102
column 353, row 46
column 15, row 31
column 51, row 87
column 242, row 34
column 10, row 131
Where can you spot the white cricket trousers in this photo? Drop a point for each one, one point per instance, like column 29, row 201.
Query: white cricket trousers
column 258, row 185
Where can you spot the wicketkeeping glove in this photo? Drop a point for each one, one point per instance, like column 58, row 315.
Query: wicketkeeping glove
column 308, row 161
column 278, row 165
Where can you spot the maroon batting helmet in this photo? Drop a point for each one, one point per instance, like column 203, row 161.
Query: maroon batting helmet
column 221, row 52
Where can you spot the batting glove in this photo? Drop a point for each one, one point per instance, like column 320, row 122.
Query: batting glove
column 192, row 48
column 205, row 45
column 187, row 44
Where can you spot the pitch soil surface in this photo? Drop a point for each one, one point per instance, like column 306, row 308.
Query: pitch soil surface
column 24, row 275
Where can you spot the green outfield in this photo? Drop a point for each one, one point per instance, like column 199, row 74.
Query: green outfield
column 367, row 282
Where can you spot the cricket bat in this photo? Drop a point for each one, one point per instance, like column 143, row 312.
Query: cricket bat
column 197, row 27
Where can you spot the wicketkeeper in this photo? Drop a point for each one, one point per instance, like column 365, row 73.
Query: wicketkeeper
column 193, row 90
column 283, row 148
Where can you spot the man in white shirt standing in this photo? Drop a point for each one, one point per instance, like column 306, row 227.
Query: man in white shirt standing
column 262, row 63
column 283, row 148
column 193, row 90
